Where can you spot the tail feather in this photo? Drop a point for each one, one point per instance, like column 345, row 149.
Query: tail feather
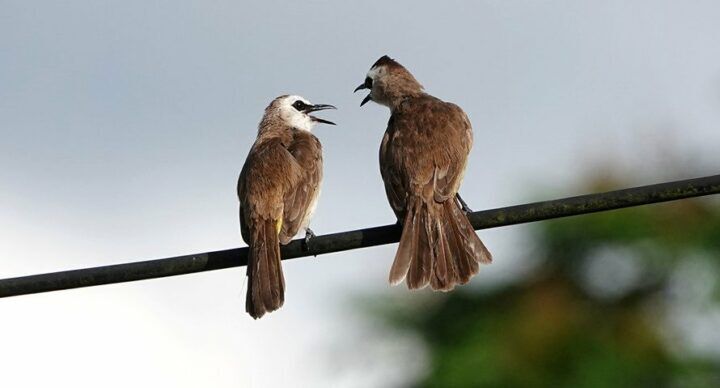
column 412, row 262
column 444, row 268
column 474, row 246
column 463, row 239
column 438, row 246
column 266, row 284
column 407, row 249
column 421, row 267
column 456, row 244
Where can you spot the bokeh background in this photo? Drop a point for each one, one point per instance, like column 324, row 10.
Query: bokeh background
column 124, row 125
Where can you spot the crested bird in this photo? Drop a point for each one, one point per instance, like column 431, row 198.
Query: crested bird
column 278, row 191
column 423, row 156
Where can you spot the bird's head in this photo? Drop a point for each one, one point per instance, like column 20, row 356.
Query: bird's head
column 295, row 111
column 389, row 83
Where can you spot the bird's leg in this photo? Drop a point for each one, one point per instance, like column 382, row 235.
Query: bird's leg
column 309, row 234
column 464, row 205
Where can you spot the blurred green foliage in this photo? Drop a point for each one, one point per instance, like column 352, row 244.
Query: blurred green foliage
column 579, row 319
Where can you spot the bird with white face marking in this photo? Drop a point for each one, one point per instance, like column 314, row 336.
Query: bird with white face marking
column 278, row 190
column 423, row 156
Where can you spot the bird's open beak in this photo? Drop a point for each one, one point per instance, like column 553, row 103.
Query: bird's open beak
column 362, row 86
column 317, row 107
column 365, row 100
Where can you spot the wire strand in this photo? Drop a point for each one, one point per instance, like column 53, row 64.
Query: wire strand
column 355, row 239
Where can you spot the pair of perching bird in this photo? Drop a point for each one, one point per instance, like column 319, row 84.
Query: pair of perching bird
column 423, row 156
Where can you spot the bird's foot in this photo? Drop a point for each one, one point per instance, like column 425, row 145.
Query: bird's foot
column 464, row 205
column 309, row 235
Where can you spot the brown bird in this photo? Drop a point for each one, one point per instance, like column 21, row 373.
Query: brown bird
column 278, row 190
column 423, row 156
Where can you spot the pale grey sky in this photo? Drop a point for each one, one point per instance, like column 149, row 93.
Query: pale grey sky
column 125, row 124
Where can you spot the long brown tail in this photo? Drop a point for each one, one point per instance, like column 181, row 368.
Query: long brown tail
column 438, row 246
column 266, row 284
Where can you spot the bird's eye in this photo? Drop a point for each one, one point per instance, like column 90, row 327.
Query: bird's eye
column 299, row 105
column 368, row 82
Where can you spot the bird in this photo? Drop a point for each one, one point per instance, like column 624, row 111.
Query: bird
column 423, row 157
column 278, row 190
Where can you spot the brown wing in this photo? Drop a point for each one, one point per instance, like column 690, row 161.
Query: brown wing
column 300, row 200
column 268, row 173
column 391, row 171
column 242, row 192
column 424, row 151
column 450, row 169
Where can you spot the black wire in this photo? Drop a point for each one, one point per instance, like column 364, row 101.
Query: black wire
column 355, row 239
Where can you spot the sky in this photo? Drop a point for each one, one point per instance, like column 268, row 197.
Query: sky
column 124, row 126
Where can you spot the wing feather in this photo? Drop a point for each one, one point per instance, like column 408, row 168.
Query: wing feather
column 300, row 200
column 424, row 151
